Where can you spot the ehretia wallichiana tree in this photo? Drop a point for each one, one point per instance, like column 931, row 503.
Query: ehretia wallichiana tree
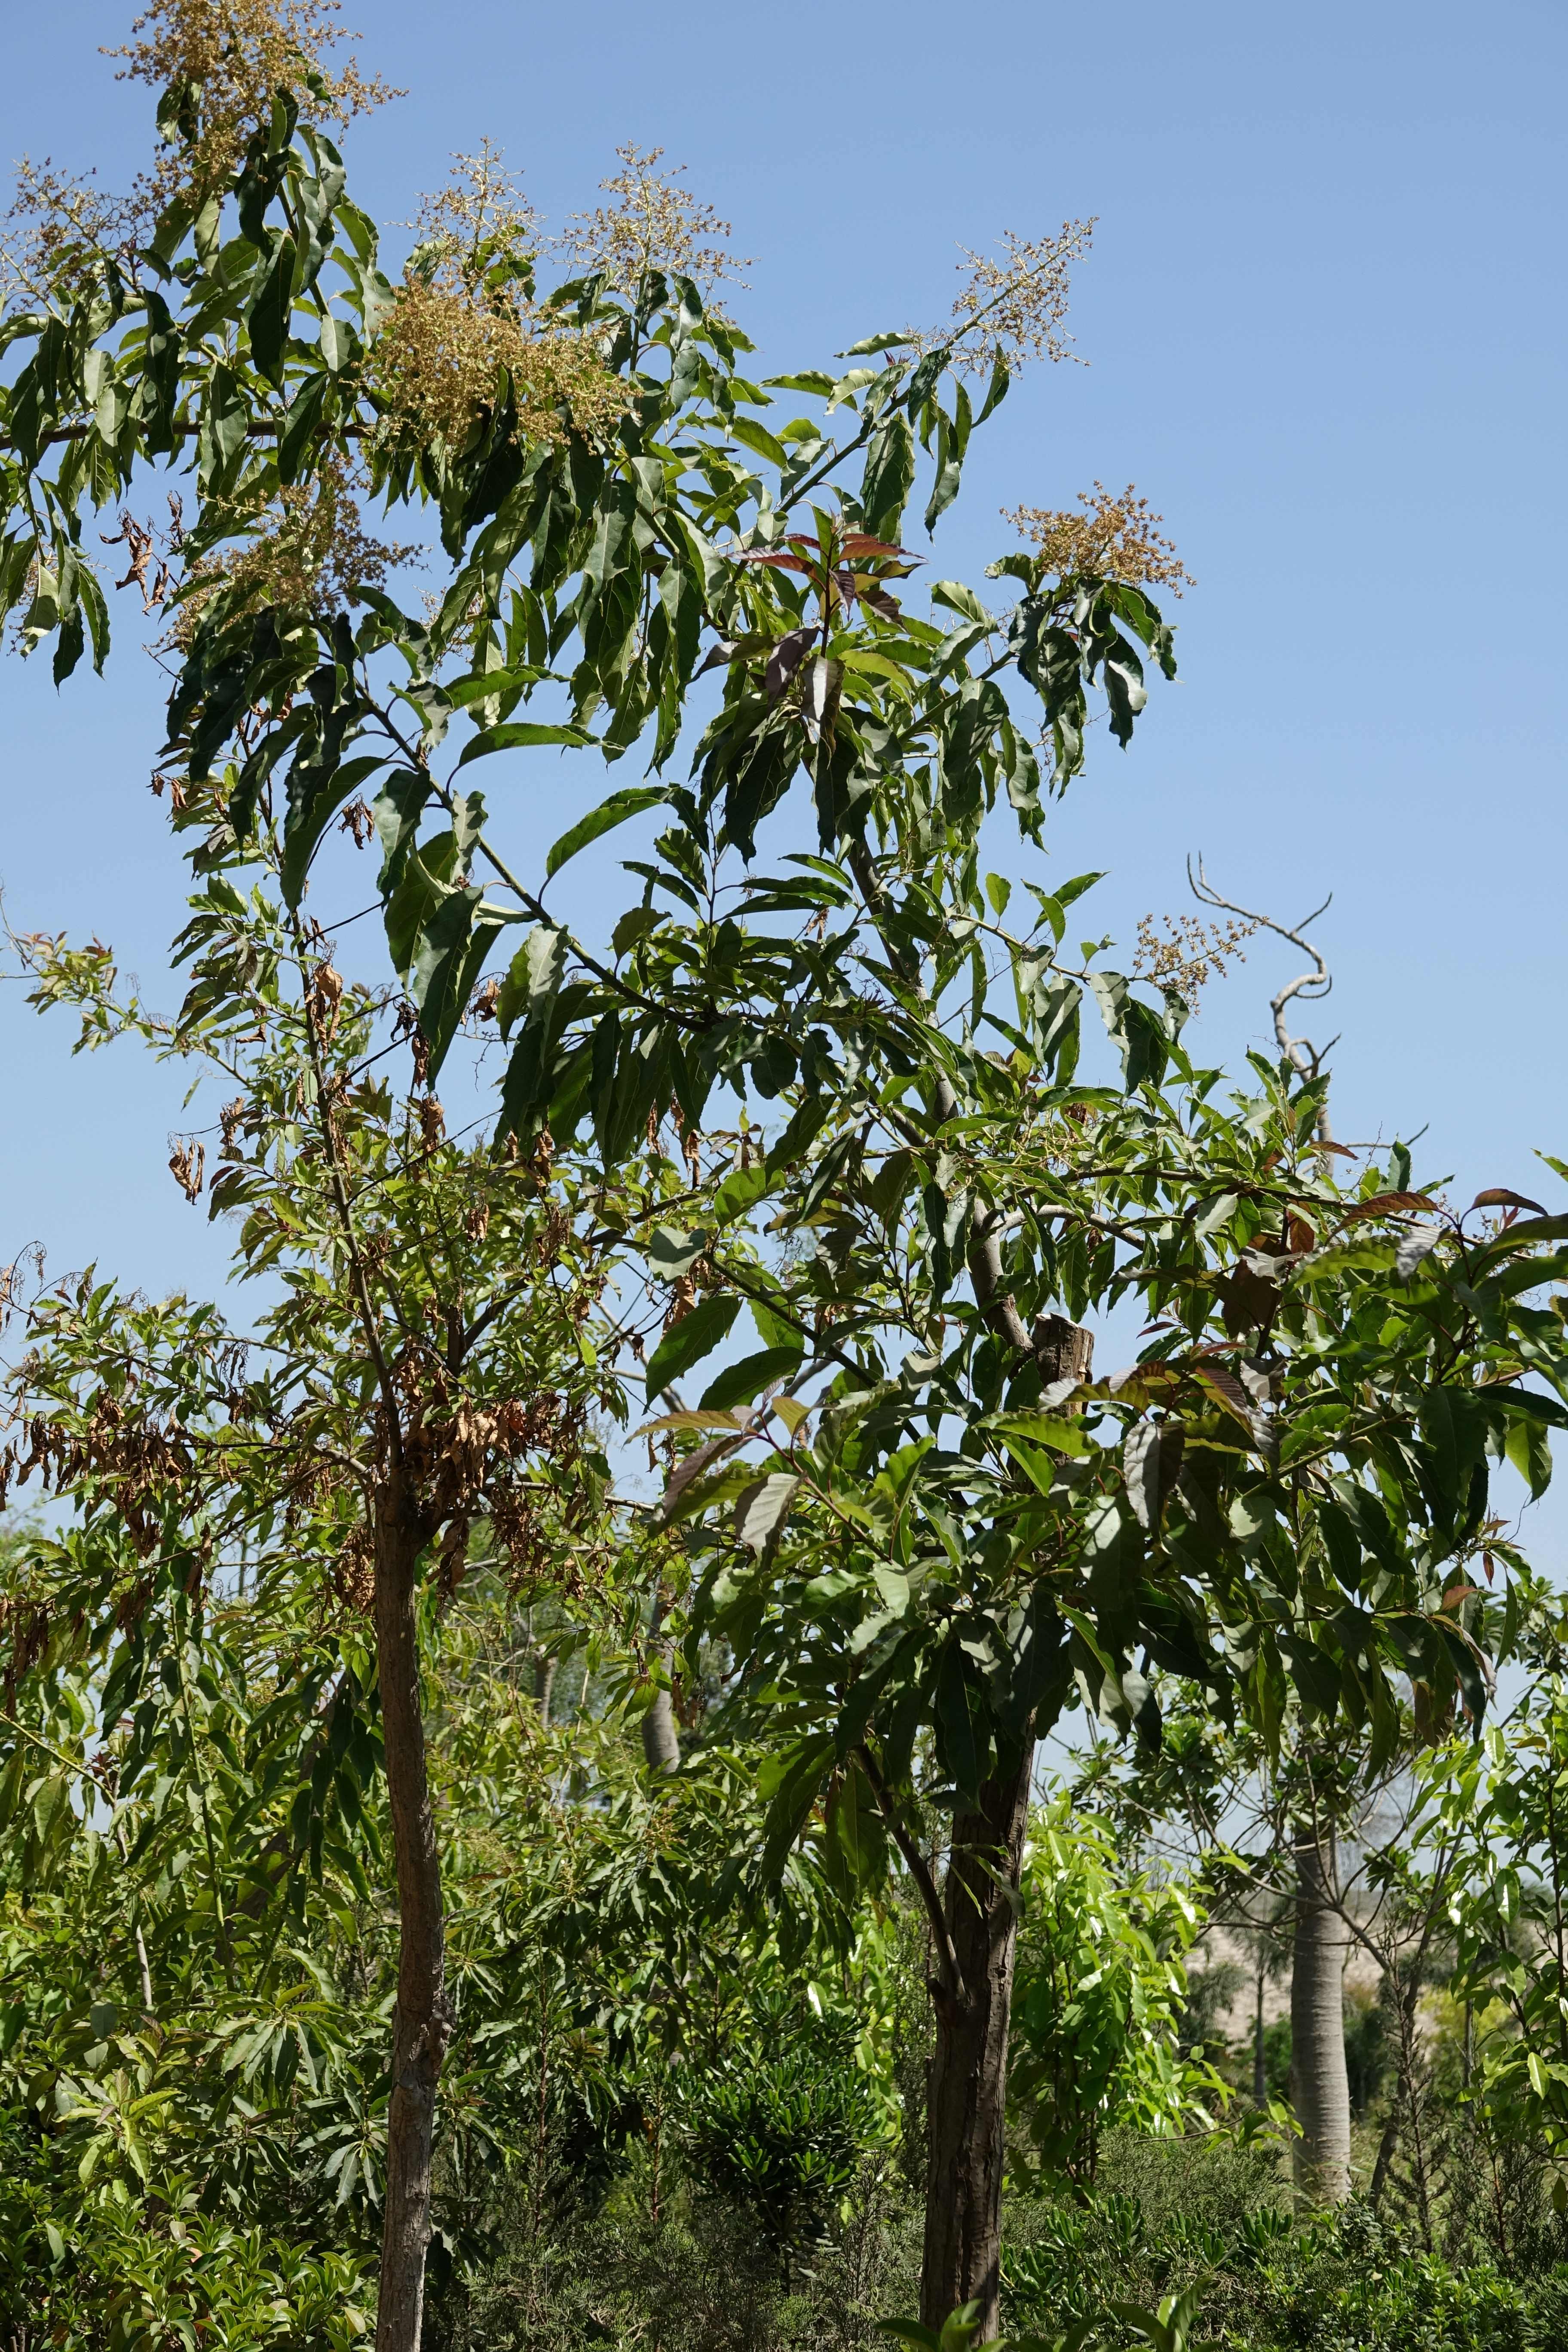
column 617, row 520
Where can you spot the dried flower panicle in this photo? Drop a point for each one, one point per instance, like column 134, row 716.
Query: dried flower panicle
column 1117, row 537
column 238, row 54
column 150, row 553
column 305, row 547
column 1187, row 954
column 62, row 233
column 1011, row 308
column 652, row 224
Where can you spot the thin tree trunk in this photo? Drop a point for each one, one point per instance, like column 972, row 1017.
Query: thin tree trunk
column 1320, row 2079
column 966, row 2103
column 1403, row 2104
column 1260, row 2053
column 660, row 1739
column 421, row 2021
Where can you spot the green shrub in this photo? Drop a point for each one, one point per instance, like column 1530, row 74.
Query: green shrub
column 781, row 2132
column 1209, row 2220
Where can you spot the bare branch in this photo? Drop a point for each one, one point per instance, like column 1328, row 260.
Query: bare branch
column 1309, row 986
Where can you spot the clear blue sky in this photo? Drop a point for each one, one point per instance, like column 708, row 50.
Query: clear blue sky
column 1324, row 323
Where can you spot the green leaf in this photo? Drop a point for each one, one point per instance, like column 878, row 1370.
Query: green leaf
column 534, row 979
column 739, row 1383
column 604, row 819
column 522, row 735
column 762, row 1509
column 757, row 438
column 304, row 416
column 888, row 478
column 961, row 600
column 449, row 956
column 315, row 798
column 740, row 1191
column 687, row 1342
column 270, row 312
column 955, row 1723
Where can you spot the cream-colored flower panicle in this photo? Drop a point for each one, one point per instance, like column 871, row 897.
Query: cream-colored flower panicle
column 234, row 56
column 652, row 224
column 1117, row 537
column 1011, row 308
column 464, row 322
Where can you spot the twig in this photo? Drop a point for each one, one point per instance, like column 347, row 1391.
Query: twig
column 919, row 1871
column 1300, row 1051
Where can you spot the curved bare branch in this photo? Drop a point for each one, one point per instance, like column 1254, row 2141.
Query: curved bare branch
column 1309, row 986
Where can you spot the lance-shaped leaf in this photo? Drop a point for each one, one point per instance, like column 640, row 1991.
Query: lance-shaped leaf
column 687, row 1342
column 616, row 809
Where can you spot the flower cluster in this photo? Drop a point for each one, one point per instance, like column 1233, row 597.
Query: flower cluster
column 464, row 322
column 1188, row 953
column 235, row 55
column 308, row 547
column 1117, row 537
column 438, row 364
column 652, row 225
column 61, row 233
column 1011, row 310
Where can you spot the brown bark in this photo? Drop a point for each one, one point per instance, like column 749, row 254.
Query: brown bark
column 421, row 2021
column 966, row 2105
column 1319, row 2082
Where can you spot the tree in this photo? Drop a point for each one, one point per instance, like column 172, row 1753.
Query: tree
column 1277, row 1501
column 1498, row 1810
column 594, row 434
column 421, row 1368
column 597, row 430
column 1101, row 1978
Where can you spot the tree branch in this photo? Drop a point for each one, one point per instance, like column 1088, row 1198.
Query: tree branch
column 919, row 1869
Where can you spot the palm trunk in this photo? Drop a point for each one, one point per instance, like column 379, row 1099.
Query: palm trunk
column 966, row 2103
column 543, row 1687
column 421, row 2021
column 1319, row 2082
column 661, row 1738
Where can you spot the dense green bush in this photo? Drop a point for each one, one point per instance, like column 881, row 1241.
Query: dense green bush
column 780, row 2130
column 1207, row 2214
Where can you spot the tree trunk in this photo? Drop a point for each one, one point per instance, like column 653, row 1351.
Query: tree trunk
column 543, row 1686
column 421, row 2021
column 966, row 2103
column 660, row 1739
column 1319, row 2082
column 1260, row 2048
